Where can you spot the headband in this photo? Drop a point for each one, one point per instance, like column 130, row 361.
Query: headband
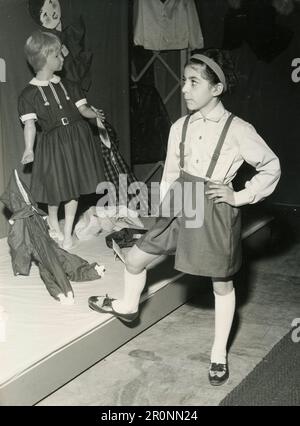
column 212, row 65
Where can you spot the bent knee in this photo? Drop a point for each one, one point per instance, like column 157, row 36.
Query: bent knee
column 223, row 288
column 132, row 264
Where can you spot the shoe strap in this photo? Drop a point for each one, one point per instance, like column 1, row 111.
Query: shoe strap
column 218, row 367
column 108, row 301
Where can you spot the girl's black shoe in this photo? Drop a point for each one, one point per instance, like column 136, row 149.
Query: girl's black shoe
column 218, row 374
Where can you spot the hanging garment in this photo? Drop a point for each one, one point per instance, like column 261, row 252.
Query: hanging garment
column 29, row 240
column 77, row 58
column 77, row 64
column 266, row 37
column 168, row 25
column 150, row 125
column 255, row 23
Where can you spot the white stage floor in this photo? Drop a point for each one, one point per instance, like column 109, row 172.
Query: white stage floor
column 39, row 328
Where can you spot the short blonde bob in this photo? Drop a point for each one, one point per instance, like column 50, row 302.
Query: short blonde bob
column 38, row 46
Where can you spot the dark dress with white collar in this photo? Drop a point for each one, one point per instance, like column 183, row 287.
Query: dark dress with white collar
column 67, row 163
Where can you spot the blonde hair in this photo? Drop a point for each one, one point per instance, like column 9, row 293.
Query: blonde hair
column 38, row 46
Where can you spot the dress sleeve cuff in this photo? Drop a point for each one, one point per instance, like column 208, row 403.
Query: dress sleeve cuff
column 31, row 116
column 243, row 197
column 81, row 102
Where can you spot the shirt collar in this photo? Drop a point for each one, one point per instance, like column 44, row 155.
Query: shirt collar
column 36, row 82
column 214, row 115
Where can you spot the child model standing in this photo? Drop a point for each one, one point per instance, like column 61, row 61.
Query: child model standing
column 66, row 163
column 207, row 146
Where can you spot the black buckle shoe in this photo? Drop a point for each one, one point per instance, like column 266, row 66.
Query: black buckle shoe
column 103, row 304
column 218, row 374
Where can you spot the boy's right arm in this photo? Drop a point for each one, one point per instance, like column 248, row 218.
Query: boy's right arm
column 29, row 136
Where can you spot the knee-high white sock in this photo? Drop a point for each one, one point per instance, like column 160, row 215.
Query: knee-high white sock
column 133, row 287
column 224, row 312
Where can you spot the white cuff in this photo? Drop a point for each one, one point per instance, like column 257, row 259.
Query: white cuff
column 31, row 116
column 243, row 197
column 64, row 50
column 81, row 102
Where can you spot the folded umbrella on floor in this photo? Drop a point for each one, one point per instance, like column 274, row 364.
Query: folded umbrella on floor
column 28, row 239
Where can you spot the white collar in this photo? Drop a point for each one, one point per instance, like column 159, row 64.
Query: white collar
column 36, row 82
column 214, row 115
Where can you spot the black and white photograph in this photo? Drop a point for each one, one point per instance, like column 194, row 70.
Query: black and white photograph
column 149, row 206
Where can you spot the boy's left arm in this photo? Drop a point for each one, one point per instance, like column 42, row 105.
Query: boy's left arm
column 258, row 154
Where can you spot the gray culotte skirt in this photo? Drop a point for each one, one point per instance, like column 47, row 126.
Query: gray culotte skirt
column 212, row 249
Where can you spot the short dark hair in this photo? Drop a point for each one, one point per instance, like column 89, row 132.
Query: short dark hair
column 223, row 59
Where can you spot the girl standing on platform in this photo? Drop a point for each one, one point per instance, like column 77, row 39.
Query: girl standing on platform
column 205, row 150
column 66, row 162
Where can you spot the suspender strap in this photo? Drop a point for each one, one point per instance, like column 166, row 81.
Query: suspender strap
column 183, row 136
column 217, row 151
column 220, row 143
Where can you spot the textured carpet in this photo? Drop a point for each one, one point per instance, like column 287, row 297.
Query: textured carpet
column 275, row 381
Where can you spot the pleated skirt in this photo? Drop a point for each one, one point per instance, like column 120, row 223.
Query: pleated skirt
column 66, row 165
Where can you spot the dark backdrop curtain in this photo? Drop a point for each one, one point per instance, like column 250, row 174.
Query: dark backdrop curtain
column 106, row 26
column 268, row 98
column 265, row 96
